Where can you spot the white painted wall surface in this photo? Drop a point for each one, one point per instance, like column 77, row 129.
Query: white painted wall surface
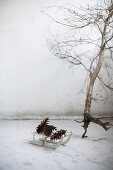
column 32, row 81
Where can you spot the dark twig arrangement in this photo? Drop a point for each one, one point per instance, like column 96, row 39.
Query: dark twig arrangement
column 88, row 118
column 50, row 130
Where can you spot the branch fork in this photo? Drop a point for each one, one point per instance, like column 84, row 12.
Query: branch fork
column 88, row 118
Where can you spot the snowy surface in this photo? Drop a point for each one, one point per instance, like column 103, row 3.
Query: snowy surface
column 92, row 153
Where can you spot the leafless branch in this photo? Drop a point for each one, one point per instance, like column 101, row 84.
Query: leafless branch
column 106, row 85
column 92, row 30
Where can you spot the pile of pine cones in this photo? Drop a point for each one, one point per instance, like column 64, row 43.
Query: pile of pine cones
column 50, row 130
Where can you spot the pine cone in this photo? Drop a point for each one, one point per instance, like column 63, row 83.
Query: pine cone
column 40, row 127
column 48, row 129
column 58, row 134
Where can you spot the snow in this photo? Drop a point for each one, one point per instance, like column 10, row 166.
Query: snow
column 92, row 153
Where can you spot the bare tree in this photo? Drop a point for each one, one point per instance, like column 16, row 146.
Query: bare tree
column 89, row 44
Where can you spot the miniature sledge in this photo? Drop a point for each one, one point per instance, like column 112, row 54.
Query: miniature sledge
column 48, row 136
column 47, row 142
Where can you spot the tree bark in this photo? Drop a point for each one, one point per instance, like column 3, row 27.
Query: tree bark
column 87, row 117
column 92, row 81
column 98, row 67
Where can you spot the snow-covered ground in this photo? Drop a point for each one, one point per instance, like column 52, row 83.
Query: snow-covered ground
column 92, row 153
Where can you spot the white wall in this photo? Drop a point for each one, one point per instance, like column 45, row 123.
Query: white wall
column 32, row 81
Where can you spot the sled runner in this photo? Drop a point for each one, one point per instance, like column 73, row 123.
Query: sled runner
column 47, row 142
column 48, row 136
